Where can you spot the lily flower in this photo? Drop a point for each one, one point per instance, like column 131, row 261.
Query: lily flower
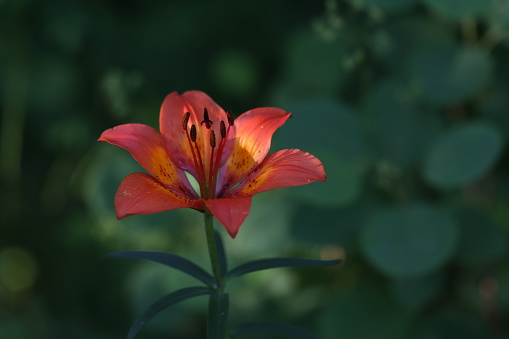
column 227, row 157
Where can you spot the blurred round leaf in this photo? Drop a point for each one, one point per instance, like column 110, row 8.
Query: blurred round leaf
column 498, row 14
column 448, row 75
column 331, row 132
column 463, row 155
column 409, row 242
column 387, row 5
column 481, row 240
column 350, row 312
column 459, row 9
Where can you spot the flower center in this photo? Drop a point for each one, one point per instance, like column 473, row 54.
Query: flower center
column 207, row 149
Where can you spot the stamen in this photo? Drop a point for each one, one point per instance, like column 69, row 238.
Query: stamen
column 222, row 129
column 185, row 120
column 206, row 120
column 195, row 150
column 192, row 133
column 230, row 117
column 213, row 139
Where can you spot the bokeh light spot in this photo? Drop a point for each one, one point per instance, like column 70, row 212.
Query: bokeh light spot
column 18, row 269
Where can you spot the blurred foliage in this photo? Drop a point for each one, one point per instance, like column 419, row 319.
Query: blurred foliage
column 405, row 102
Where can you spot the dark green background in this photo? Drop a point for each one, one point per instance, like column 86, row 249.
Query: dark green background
column 406, row 102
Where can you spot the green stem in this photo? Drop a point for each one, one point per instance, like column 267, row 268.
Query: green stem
column 211, row 244
column 217, row 318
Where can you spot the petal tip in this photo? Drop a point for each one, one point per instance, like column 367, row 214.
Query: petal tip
column 102, row 137
column 230, row 212
column 121, row 215
column 233, row 233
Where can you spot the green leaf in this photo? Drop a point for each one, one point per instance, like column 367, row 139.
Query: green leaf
column 498, row 15
column 171, row 260
column 409, row 242
column 463, row 155
column 217, row 321
column 221, row 255
column 265, row 264
column 448, row 75
column 164, row 303
column 266, row 327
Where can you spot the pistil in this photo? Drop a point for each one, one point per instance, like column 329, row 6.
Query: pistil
column 224, row 134
column 211, row 185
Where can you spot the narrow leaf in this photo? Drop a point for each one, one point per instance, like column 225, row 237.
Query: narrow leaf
column 171, row 260
column 265, row 264
column 164, row 303
column 217, row 320
column 221, row 255
column 274, row 328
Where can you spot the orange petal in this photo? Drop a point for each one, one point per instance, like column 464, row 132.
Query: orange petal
column 174, row 133
column 285, row 168
column 146, row 146
column 231, row 212
column 254, row 130
column 140, row 193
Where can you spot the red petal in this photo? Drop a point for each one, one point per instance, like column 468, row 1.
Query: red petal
column 285, row 168
column 146, row 146
column 140, row 193
column 254, row 130
column 231, row 212
column 171, row 123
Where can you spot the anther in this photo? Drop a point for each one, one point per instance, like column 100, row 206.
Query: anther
column 230, row 117
column 192, row 133
column 206, row 119
column 185, row 120
column 222, row 129
column 212, row 139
